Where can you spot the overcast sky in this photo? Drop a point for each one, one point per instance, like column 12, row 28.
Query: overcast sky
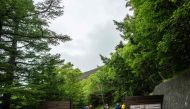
column 90, row 25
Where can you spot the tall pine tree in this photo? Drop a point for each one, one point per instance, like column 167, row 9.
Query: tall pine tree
column 24, row 40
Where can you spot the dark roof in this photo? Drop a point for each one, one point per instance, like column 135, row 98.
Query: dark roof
column 85, row 75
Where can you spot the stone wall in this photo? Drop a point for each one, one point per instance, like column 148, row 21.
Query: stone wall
column 176, row 92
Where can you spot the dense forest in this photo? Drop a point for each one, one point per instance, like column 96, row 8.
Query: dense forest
column 155, row 47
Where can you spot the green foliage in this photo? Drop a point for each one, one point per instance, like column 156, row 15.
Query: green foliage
column 158, row 39
column 24, row 44
column 157, row 46
column 71, row 87
column 98, row 87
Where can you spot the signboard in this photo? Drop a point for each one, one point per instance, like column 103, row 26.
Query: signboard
column 145, row 102
column 137, row 107
column 153, row 106
column 146, row 106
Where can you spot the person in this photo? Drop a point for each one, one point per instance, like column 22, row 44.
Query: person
column 86, row 107
column 90, row 107
column 117, row 106
column 123, row 106
column 106, row 106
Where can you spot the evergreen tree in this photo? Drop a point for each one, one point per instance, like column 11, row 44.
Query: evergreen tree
column 158, row 41
column 24, row 40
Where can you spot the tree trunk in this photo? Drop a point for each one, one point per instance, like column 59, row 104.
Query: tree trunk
column 1, row 26
column 6, row 101
column 10, row 73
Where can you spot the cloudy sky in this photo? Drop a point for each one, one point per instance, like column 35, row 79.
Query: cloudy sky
column 90, row 25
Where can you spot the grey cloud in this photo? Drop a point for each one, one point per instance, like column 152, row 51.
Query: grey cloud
column 90, row 24
column 103, row 40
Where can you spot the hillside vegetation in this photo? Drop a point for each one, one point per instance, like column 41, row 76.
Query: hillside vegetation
column 155, row 46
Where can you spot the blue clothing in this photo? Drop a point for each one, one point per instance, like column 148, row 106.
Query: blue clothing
column 117, row 107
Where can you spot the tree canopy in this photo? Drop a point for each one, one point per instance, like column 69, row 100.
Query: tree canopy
column 155, row 47
column 24, row 43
